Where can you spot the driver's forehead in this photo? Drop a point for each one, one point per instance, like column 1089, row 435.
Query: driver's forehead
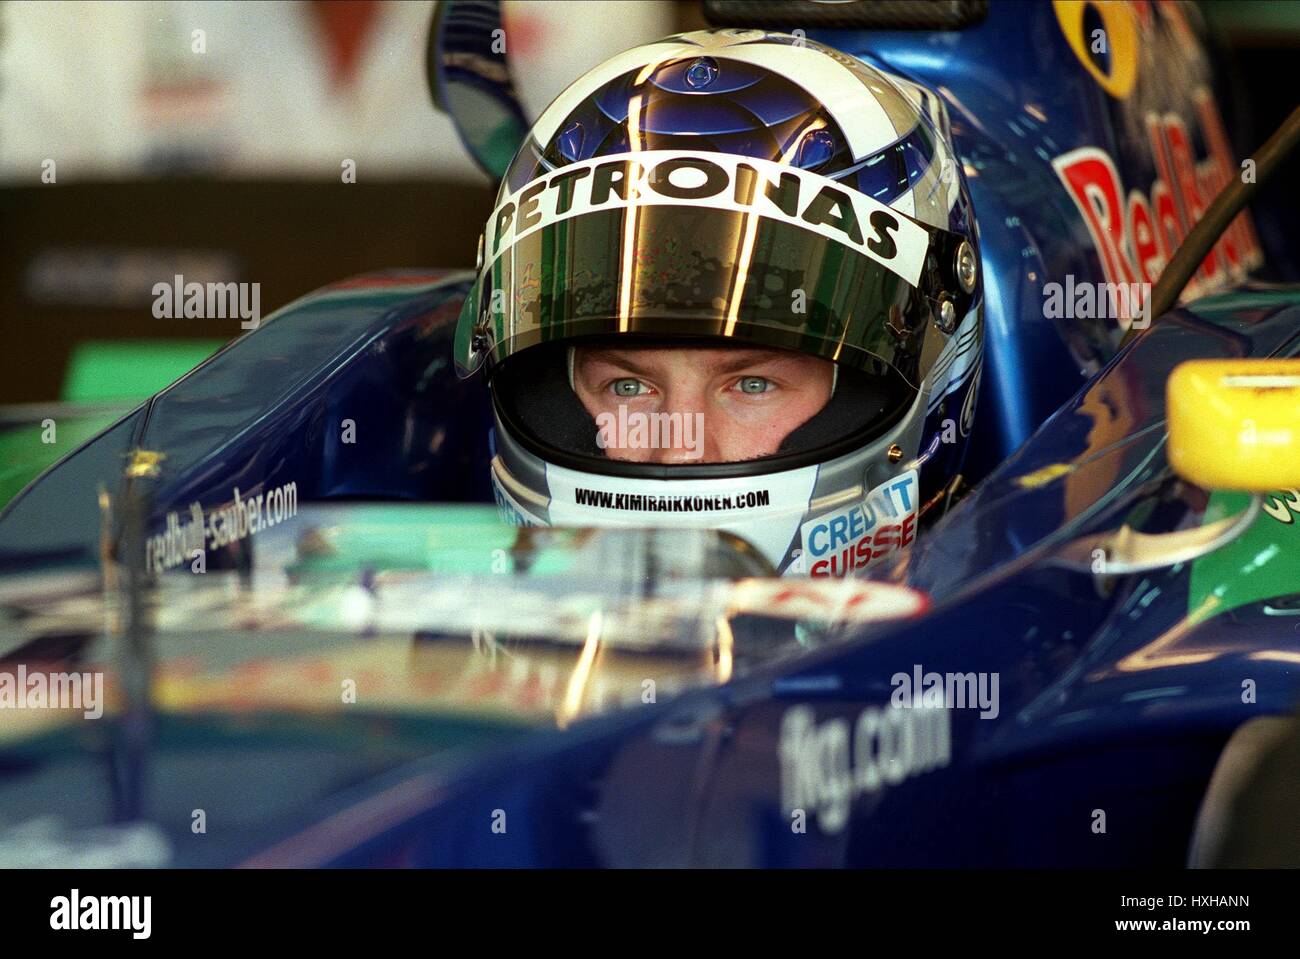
column 696, row 358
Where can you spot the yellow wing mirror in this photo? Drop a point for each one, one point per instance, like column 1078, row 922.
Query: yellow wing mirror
column 1235, row 424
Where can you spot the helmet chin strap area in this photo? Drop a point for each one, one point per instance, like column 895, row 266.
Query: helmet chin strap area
column 573, row 350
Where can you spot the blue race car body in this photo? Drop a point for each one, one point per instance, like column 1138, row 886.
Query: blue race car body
column 1115, row 693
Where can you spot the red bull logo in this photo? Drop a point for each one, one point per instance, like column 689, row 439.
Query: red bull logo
column 1136, row 233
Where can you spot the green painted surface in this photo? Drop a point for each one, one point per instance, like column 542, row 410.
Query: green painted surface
column 1261, row 564
column 111, row 377
column 130, row 369
column 24, row 454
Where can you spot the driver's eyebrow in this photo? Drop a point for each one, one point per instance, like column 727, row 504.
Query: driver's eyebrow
column 730, row 361
column 740, row 359
column 612, row 358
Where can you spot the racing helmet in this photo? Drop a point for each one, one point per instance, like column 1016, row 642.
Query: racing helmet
column 748, row 188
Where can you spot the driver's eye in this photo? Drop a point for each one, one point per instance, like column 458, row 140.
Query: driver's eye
column 754, row 384
column 628, row 386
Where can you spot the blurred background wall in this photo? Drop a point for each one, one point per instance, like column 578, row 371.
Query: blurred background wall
column 140, row 139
